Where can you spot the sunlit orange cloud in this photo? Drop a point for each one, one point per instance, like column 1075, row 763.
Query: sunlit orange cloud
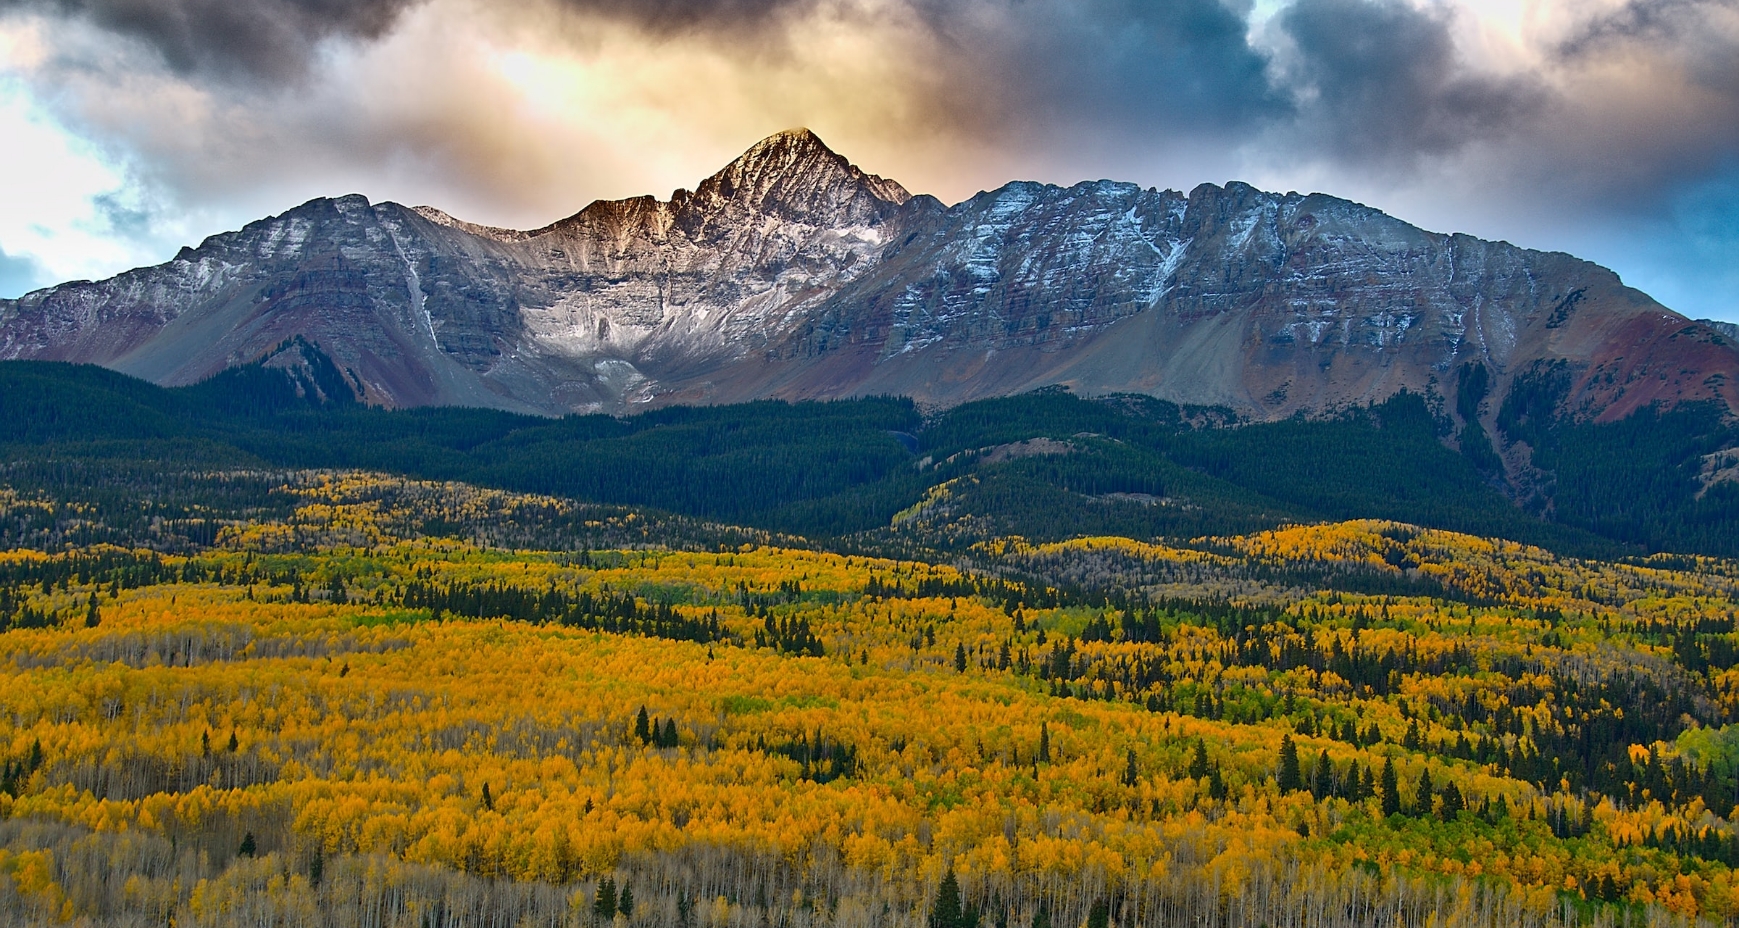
column 554, row 117
column 521, row 116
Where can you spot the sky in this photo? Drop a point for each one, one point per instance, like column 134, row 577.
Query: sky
column 1605, row 128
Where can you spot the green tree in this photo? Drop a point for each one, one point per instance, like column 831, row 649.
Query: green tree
column 248, row 846
column 1289, row 778
column 1042, row 917
column 946, row 912
column 643, row 727
column 959, row 657
column 625, row 904
column 1423, row 795
column 1452, row 801
column 1217, row 785
column 1390, row 789
column 1131, row 772
column 1099, row 916
column 1199, row 761
column 1044, row 743
column 92, row 616
column 1322, row 777
column 604, row 903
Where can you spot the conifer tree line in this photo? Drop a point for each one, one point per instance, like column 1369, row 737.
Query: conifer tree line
column 607, row 611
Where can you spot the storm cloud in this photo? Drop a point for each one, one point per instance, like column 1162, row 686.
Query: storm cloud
column 1382, row 81
column 265, row 38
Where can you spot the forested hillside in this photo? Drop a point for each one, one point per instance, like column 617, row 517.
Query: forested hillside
column 329, row 716
column 1124, row 465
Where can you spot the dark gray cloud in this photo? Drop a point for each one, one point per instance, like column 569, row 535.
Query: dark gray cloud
column 260, row 38
column 276, row 39
column 675, row 16
column 1380, row 80
column 18, row 275
column 1118, row 67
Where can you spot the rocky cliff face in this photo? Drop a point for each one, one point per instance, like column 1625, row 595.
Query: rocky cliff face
column 793, row 274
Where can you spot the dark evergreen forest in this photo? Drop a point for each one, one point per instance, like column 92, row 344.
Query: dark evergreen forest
column 1122, row 465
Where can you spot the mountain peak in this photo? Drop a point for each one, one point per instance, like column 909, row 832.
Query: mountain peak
column 799, row 137
column 787, row 149
column 793, row 173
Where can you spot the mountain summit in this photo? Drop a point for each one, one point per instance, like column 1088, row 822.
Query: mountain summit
column 794, row 175
column 792, row 273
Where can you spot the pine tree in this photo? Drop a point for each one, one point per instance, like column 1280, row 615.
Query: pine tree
column 1322, row 779
column 1422, row 796
column 604, row 905
column 1099, row 916
column 1044, row 743
column 959, row 657
column 1289, row 779
column 92, row 617
column 1452, row 801
column 248, row 847
column 625, row 904
column 1199, row 761
column 1131, row 772
column 1391, row 790
column 1042, row 918
column 1217, row 785
column 488, row 800
column 234, row 743
column 643, row 727
column 946, row 912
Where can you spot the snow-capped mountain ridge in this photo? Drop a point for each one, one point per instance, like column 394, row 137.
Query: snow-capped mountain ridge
column 793, row 273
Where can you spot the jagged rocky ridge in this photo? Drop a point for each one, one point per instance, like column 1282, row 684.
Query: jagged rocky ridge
column 791, row 273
